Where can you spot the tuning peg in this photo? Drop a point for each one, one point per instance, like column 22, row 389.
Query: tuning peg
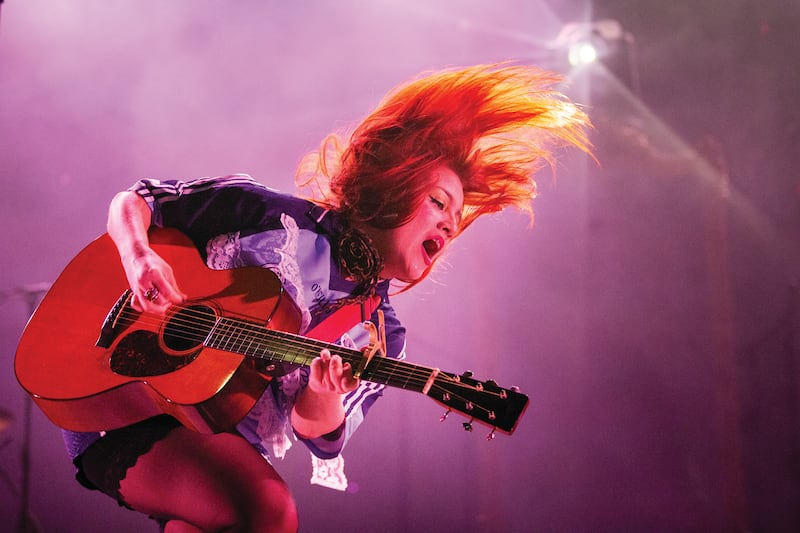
column 490, row 436
column 491, row 383
column 467, row 374
column 467, row 425
column 515, row 389
column 444, row 416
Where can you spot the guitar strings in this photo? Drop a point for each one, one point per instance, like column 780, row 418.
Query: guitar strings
column 285, row 342
column 198, row 326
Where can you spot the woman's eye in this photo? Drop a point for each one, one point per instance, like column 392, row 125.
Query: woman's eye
column 437, row 203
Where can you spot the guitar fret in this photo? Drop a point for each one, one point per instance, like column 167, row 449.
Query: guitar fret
column 214, row 335
column 249, row 350
column 255, row 338
column 222, row 334
column 278, row 348
column 234, row 338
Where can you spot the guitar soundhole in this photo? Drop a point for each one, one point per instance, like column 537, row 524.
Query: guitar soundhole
column 140, row 354
column 188, row 328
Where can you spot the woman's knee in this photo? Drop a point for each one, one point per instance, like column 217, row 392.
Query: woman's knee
column 260, row 498
column 271, row 509
column 217, row 482
column 259, row 509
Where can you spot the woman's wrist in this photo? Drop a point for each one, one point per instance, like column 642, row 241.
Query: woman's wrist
column 317, row 413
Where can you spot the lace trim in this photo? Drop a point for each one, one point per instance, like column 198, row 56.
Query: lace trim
column 328, row 472
column 223, row 251
column 271, row 412
column 288, row 268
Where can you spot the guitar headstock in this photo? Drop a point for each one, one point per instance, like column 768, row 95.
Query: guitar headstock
column 481, row 401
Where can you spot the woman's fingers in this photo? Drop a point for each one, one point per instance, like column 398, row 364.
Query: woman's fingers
column 153, row 284
column 330, row 374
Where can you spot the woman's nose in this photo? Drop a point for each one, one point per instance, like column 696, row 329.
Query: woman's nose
column 447, row 224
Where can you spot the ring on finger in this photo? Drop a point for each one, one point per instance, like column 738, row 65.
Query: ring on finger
column 151, row 294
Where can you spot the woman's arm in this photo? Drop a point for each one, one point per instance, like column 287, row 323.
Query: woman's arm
column 128, row 221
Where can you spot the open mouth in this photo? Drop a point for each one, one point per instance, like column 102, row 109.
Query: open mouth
column 432, row 247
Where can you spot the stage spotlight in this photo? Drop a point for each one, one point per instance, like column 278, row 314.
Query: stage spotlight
column 585, row 43
column 582, row 53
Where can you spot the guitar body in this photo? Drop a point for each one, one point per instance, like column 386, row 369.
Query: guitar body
column 134, row 374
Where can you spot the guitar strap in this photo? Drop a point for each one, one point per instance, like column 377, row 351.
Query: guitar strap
column 343, row 319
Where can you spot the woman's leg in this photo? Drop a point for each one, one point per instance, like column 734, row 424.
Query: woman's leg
column 205, row 482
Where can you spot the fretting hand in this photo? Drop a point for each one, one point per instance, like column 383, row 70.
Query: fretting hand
column 329, row 375
column 319, row 408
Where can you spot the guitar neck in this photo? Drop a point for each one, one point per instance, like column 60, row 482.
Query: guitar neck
column 483, row 401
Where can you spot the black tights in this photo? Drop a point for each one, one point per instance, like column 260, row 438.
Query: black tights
column 189, row 481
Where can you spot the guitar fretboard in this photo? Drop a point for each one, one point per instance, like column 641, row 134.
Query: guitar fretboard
column 253, row 340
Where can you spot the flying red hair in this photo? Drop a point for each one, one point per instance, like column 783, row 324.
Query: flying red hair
column 493, row 125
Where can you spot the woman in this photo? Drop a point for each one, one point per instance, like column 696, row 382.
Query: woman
column 438, row 153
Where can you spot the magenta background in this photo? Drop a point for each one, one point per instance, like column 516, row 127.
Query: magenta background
column 603, row 313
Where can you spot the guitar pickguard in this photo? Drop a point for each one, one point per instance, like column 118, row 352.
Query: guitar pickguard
column 139, row 354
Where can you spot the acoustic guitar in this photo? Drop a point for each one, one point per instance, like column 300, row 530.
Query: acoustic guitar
column 91, row 362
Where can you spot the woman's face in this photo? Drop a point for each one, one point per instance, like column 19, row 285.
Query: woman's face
column 410, row 249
